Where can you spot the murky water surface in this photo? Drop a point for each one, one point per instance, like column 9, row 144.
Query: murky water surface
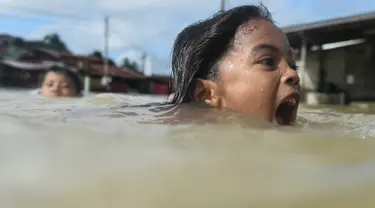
column 90, row 153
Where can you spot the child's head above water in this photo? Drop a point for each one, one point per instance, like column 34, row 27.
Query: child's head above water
column 61, row 82
column 238, row 59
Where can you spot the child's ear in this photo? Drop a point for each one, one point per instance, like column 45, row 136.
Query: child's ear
column 207, row 91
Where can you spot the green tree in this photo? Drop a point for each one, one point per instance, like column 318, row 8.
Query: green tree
column 99, row 54
column 55, row 42
column 127, row 63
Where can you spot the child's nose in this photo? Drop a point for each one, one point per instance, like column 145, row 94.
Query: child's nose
column 55, row 87
column 291, row 77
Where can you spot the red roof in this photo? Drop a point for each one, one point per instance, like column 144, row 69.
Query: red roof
column 114, row 71
column 97, row 68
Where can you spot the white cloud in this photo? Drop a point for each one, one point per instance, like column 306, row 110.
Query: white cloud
column 135, row 25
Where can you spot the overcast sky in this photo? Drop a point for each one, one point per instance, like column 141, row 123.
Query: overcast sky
column 145, row 25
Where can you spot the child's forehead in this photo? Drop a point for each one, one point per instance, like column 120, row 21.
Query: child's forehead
column 260, row 31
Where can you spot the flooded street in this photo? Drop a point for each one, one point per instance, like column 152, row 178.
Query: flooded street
column 65, row 153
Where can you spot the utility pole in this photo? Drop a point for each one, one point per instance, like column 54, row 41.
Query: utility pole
column 222, row 8
column 106, row 31
column 143, row 64
column 105, row 79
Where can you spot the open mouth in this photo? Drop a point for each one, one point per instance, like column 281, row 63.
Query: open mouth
column 286, row 111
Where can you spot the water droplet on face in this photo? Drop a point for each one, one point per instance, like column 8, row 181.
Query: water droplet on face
column 230, row 66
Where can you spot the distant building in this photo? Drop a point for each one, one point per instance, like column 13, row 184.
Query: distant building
column 159, row 84
column 23, row 62
column 123, row 79
column 336, row 58
column 21, row 66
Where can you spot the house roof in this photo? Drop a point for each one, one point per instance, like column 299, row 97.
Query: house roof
column 27, row 66
column 98, row 69
column 52, row 53
column 330, row 22
column 42, row 44
column 79, row 57
column 332, row 30
column 96, row 64
column 7, row 37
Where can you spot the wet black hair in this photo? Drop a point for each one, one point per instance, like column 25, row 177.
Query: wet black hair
column 200, row 46
column 73, row 76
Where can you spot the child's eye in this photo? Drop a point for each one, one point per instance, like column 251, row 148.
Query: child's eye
column 269, row 63
column 49, row 84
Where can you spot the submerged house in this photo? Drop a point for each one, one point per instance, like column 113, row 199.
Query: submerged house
column 22, row 64
column 336, row 58
column 159, row 84
column 122, row 79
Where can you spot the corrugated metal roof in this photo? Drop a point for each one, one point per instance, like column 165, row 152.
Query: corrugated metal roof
column 98, row 69
column 6, row 37
column 71, row 60
column 49, row 51
column 79, row 57
column 327, row 23
column 40, row 66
